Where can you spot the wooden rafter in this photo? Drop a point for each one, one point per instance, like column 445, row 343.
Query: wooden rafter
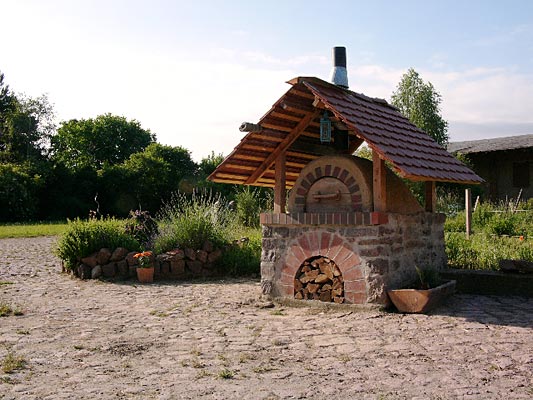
column 291, row 137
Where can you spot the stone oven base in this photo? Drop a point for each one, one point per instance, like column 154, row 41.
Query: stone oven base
column 371, row 256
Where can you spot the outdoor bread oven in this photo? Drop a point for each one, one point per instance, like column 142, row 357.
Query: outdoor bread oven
column 351, row 228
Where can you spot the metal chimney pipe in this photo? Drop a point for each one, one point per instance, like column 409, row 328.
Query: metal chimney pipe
column 339, row 74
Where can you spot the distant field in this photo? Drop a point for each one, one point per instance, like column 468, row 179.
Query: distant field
column 32, row 229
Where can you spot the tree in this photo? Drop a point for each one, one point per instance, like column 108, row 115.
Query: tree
column 146, row 179
column 420, row 102
column 26, row 126
column 105, row 140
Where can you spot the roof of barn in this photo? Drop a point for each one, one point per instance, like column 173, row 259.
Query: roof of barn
column 292, row 125
column 490, row 145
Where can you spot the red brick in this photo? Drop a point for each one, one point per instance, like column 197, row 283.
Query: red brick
column 343, row 254
column 292, row 262
column 354, row 286
column 325, row 239
column 298, row 253
column 304, row 243
column 318, row 172
column 287, row 290
column 379, row 218
column 356, row 198
column 355, row 298
column 336, row 172
column 352, row 274
column 310, row 177
column 344, row 174
column 301, row 191
column 328, row 168
column 287, row 279
column 352, row 261
column 314, row 242
column 333, row 251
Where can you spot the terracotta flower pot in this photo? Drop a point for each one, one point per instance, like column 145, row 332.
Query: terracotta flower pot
column 145, row 275
column 419, row 300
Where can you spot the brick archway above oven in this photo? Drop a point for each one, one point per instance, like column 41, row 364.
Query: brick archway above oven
column 332, row 246
column 346, row 179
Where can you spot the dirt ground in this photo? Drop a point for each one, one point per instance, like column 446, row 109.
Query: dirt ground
column 198, row 339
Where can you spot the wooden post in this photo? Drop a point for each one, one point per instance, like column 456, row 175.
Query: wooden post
column 380, row 183
column 468, row 212
column 279, row 188
column 431, row 196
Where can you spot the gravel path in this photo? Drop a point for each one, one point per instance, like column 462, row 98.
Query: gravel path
column 100, row 340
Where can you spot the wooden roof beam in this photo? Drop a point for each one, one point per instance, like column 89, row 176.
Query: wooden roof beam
column 291, row 137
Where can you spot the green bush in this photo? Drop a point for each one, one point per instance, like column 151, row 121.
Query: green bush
column 82, row 238
column 190, row 221
column 484, row 251
column 456, row 223
column 243, row 259
column 248, row 206
column 503, row 224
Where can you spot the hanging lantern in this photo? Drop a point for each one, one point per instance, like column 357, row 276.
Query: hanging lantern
column 325, row 128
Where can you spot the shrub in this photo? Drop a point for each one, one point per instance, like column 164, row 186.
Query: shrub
column 191, row 221
column 248, row 206
column 484, row 251
column 502, row 224
column 456, row 223
column 243, row 259
column 82, row 238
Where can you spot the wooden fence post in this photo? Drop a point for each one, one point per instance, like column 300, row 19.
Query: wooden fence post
column 468, row 212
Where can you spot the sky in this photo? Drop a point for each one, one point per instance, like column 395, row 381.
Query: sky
column 192, row 71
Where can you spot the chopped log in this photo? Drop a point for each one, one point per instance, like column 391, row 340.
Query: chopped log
column 321, row 278
column 312, row 274
column 325, row 296
column 312, row 287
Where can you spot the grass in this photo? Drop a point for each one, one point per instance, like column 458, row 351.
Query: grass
column 12, row 363
column 7, row 310
column 32, row 229
column 226, row 374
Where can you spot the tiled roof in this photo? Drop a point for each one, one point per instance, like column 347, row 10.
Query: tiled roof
column 490, row 145
column 413, row 153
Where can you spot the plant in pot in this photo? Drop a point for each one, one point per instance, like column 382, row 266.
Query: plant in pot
column 145, row 266
column 428, row 292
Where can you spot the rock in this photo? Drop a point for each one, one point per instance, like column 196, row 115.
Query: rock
column 119, row 254
column 84, row 271
column 522, row 266
column 195, row 267
column 165, row 269
column 177, row 267
column 190, row 254
column 103, row 256
column 96, row 272
column 122, row 268
column 201, row 256
column 208, row 246
column 109, row 270
column 91, row 260
column 176, row 254
column 131, row 260
column 214, row 256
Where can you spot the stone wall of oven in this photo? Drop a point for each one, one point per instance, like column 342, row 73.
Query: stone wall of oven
column 375, row 253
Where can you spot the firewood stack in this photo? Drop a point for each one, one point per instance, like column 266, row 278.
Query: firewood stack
column 319, row 278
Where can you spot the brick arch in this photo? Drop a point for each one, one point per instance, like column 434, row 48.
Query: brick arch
column 350, row 170
column 325, row 244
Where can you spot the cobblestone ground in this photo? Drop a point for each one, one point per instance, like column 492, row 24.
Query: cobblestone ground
column 100, row 340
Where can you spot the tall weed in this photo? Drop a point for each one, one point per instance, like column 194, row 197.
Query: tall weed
column 189, row 221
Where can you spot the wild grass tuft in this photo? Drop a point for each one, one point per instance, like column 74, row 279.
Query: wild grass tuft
column 12, row 363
